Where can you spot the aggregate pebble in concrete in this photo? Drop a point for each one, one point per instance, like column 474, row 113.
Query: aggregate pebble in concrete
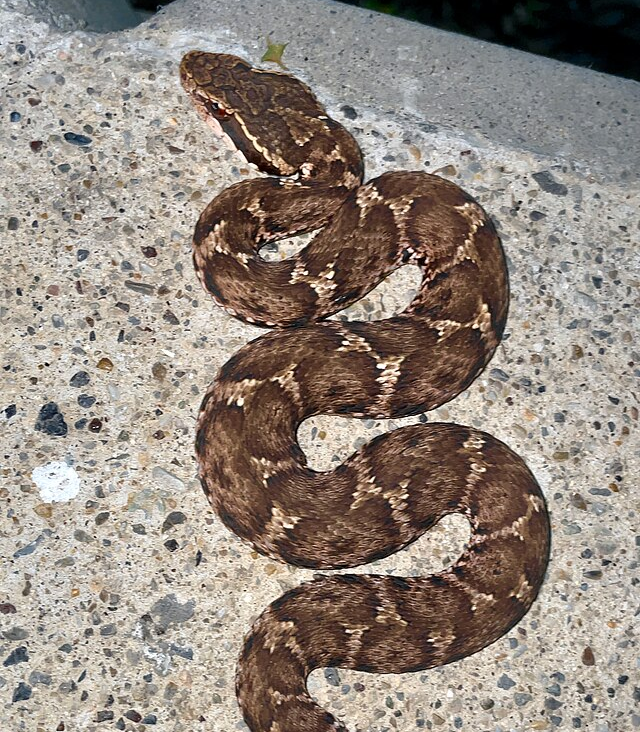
column 123, row 602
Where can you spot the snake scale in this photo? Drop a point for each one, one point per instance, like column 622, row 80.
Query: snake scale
column 395, row 488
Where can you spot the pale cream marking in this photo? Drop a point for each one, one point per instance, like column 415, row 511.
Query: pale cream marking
column 275, row 631
column 364, row 492
column 276, row 160
column 276, row 527
column 400, row 206
column 354, row 342
column 236, row 391
column 322, row 284
column 446, row 328
column 354, row 638
column 288, row 382
column 513, row 529
column 387, row 611
column 215, row 240
column 523, row 591
column 476, row 219
column 270, row 468
column 388, row 379
column 366, row 198
column 441, row 643
column 299, row 273
column 483, row 320
column 396, row 497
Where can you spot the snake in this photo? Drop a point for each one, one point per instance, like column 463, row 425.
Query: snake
column 253, row 471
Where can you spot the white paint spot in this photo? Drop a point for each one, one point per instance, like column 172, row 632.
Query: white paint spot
column 56, row 481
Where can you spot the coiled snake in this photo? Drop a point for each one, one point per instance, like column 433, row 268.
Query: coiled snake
column 386, row 495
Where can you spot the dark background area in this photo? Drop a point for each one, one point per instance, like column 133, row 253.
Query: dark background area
column 600, row 34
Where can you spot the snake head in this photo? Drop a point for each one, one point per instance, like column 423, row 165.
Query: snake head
column 266, row 115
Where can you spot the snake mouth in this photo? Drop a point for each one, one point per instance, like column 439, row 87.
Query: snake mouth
column 213, row 108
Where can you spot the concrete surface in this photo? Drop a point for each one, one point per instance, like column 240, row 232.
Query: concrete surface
column 123, row 600
column 70, row 15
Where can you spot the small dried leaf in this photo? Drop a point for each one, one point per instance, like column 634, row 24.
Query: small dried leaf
column 274, row 52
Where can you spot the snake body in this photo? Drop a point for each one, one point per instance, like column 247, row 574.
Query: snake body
column 390, row 492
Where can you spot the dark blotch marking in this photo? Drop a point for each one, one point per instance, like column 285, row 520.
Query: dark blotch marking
column 380, row 554
column 229, row 521
column 438, row 581
column 201, row 439
column 347, row 296
column 367, row 667
column 401, row 583
column 279, row 604
column 211, row 285
column 357, row 408
column 351, row 579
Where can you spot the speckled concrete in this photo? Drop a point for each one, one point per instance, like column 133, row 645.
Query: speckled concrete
column 123, row 600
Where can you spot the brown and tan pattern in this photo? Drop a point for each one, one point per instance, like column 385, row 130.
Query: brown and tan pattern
column 399, row 485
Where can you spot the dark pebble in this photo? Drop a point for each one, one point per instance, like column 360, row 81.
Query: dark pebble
column 36, row 145
column 133, row 715
column 6, row 608
column 552, row 703
column 150, row 719
column 588, row 659
column 104, row 716
column 182, row 652
column 95, row 425
column 22, row 692
column 349, row 112
column 76, row 139
column 30, row 548
column 504, row 682
column 81, row 423
column 82, row 254
column 13, row 223
column 84, row 400
column 51, row 421
column 15, row 116
column 499, row 374
column 10, row 411
column 18, row 655
column 80, row 378
column 331, row 675
column 537, row 215
column 171, row 545
column 149, row 252
column 139, row 529
column 170, row 318
column 140, row 287
column 38, row 677
column 101, row 518
column 522, row 698
column 593, row 574
column 546, row 181
column 173, row 519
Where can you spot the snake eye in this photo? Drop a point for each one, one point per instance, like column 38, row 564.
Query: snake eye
column 215, row 109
